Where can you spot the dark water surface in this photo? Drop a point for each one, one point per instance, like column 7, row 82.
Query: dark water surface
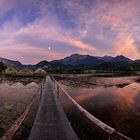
column 117, row 105
column 114, row 100
column 15, row 95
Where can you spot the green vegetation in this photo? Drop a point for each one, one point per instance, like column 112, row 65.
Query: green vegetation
column 11, row 71
column 40, row 72
column 118, row 67
column 2, row 67
column 93, row 71
column 104, row 68
column 90, row 71
column 25, row 72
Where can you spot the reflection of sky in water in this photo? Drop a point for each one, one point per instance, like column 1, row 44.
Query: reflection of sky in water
column 118, row 107
column 101, row 95
column 14, row 97
column 17, row 92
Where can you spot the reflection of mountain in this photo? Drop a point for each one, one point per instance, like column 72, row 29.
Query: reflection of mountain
column 14, row 98
column 24, row 80
column 19, row 84
column 16, row 91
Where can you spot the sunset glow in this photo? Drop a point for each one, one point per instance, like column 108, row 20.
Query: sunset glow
column 96, row 27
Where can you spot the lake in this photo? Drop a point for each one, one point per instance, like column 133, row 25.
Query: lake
column 15, row 95
column 114, row 100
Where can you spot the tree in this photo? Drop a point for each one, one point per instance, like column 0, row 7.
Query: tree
column 2, row 67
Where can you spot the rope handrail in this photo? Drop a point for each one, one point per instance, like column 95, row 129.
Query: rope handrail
column 114, row 134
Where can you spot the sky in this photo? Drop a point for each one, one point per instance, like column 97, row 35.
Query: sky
column 35, row 30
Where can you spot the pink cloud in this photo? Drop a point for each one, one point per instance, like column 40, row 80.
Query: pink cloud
column 91, row 22
column 128, row 48
column 29, row 54
column 54, row 32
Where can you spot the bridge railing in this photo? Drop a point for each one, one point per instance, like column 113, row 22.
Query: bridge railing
column 113, row 134
column 15, row 126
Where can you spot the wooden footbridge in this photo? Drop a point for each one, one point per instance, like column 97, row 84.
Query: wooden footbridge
column 51, row 122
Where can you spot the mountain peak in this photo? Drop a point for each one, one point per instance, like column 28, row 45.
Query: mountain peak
column 120, row 58
column 11, row 63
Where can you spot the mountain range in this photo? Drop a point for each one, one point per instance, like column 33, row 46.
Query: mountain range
column 11, row 63
column 81, row 61
column 77, row 59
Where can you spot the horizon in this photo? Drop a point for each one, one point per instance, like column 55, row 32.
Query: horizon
column 64, row 58
column 34, row 30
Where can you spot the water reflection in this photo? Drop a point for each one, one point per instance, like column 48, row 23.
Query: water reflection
column 18, row 91
column 23, row 80
column 14, row 97
column 118, row 106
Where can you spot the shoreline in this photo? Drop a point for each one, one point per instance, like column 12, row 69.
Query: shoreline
column 92, row 81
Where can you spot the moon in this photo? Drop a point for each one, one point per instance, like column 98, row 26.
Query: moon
column 49, row 48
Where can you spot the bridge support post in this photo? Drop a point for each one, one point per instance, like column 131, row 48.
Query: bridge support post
column 54, row 83
column 58, row 90
column 40, row 91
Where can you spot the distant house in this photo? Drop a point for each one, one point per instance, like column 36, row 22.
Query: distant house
column 40, row 72
column 11, row 71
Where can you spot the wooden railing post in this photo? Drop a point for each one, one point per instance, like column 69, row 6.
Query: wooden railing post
column 57, row 91
column 54, row 83
column 40, row 91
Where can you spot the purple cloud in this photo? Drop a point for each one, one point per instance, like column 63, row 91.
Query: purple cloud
column 94, row 27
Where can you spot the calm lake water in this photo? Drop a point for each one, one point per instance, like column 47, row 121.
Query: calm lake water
column 116, row 105
column 15, row 95
column 115, row 101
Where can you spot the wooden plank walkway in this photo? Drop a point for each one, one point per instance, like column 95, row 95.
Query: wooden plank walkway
column 51, row 122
